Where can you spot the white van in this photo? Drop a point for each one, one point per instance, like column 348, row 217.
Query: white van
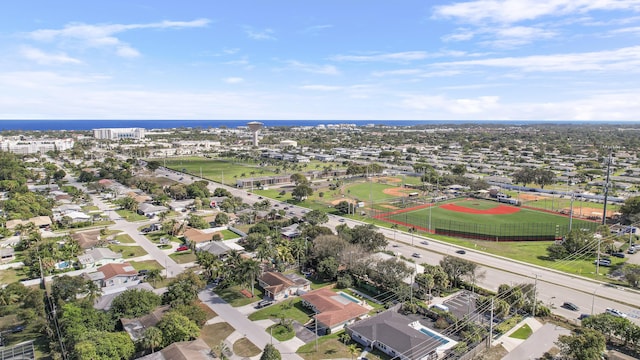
column 440, row 307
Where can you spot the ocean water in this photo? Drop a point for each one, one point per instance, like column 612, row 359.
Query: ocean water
column 31, row 125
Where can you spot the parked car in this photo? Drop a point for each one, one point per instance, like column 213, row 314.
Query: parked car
column 616, row 313
column 570, row 306
column 263, row 303
column 602, row 262
column 17, row 329
column 424, row 242
column 146, row 230
column 631, row 250
column 583, row 316
column 618, row 255
column 182, row 248
column 461, row 252
column 416, row 255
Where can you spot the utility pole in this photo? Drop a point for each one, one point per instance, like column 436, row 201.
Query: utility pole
column 490, row 326
column 606, row 191
column 571, row 213
column 316, row 321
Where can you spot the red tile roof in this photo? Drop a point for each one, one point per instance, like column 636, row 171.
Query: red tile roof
column 112, row 270
column 331, row 311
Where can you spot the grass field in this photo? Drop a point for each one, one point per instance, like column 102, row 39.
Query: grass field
column 183, row 257
column 146, row 265
column 523, row 222
column 228, row 235
column 235, row 298
column 522, row 333
column 290, row 309
column 215, row 333
column 245, row 348
column 128, row 251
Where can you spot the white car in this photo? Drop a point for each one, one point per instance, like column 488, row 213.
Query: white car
column 616, row 313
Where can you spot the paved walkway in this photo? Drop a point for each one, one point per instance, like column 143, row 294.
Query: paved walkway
column 541, row 340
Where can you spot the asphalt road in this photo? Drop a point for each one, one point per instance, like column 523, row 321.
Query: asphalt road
column 554, row 287
column 257, row 335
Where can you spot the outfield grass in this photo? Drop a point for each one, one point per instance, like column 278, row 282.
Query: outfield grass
column 488, row 224
column 369, row 191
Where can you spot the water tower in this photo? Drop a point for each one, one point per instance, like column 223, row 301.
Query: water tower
column 255, row 127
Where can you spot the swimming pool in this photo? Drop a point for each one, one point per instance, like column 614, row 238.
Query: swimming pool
column 349, row 297
column 445, row 343
column 433, row 335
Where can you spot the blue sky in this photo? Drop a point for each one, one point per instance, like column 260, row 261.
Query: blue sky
column 330, row 59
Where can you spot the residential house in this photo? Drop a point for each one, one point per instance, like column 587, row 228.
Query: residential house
column 151, row 210
column 87, row 239
column 136, row 327
column 399, row 336
column 183, row 350
column 114, row 275
column 98, row 257
column 333, row 310
column 277, row 285
column 290, row 232
column 6, row 254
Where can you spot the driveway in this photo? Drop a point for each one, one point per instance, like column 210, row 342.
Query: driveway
column 538, row 343
column 303, row 333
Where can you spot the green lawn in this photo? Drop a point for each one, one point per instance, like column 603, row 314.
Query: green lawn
column 9, row 276
column 128, row 251
column 233, row 296
column 290, row 309
column 228, row 235
column 124, row 238
column 245, row 348
column 362, row 191
column 280, row 332
column 155, row 237
column 522, row 333
column 535, row 252
column 146, row 265
column 330, row 347
column 213, row 334
column 130, row 215
column 183, row 257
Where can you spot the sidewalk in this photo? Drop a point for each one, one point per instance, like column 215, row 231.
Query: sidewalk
column 510, row 343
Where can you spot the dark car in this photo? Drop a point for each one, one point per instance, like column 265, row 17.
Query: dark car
column 570, row 306
column 618, row 255
column 263, row 303
column 461, row 252
column 17, row 329
column 583, row 316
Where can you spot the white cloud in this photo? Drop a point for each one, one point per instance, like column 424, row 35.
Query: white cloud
column 321, row 87
column 102, row 36
column 43, row 58
column 317, row 28
column 453, row 106
column 233, row 80
column 628, row 30
column 393, row 57
column 623, row 59
column 511, row 11
column 266, row 34
column 46, row 79
column 417, row 73
column 313, row 68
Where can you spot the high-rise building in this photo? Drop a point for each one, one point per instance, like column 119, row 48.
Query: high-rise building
column 119, row 133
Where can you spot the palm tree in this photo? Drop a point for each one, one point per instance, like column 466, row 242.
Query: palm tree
column 152, row 338
column 154, row 275
column 249, row 269
column 93, row 291
column 353, row 350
